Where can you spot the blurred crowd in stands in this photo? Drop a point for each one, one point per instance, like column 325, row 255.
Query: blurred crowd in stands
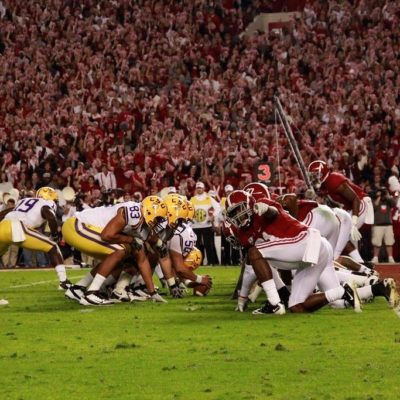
column 145, row 94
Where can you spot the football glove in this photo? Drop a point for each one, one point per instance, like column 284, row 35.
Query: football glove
column 260, row 208
column 242, row 304
column 176, row 291
column 355, row 233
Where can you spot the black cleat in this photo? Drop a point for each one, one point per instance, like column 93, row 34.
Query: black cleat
column 65, row 285
column 268, row 308
column 351, row 297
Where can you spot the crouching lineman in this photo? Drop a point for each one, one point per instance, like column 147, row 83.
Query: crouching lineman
column 324, row 219
column 275, row 239
column 112, row 233
column 181, row 246
column 18, row 226
column 178, row 253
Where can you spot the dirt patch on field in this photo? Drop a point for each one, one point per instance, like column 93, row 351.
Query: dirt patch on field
column 389, row 271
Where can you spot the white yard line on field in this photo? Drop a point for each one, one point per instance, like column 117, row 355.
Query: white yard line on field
column 38, row 283
column 32, row 284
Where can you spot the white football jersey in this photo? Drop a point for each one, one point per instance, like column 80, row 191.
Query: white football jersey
column 183, row 240
column 101, row 216
column 29, row 211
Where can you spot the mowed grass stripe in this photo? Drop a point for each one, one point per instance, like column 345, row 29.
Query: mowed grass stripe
column 194, row 348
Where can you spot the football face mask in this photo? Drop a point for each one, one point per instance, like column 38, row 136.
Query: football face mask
column 239, row 208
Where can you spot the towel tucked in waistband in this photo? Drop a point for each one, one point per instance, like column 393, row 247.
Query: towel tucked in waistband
column 18, row 234
column 311, row 254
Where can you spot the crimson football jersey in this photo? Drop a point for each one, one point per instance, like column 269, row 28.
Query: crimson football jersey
column 304, row 207
column 331, row 184
column 283, row 226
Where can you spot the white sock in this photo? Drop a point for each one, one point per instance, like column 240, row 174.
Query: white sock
column 138, row 281
column 159, row 272
column 277, row 279
column 249, row 277
column 334, row 294
column 123, row 281
column 110, row 280
column 255, row 293
column 62, row 275
column 365, row 292
column 271, row 292
column 355, row 255
column 338, row 304
column 98, row 280
column 346, row 276
column 86, row 280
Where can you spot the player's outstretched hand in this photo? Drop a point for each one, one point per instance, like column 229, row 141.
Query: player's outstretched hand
column 156, row 298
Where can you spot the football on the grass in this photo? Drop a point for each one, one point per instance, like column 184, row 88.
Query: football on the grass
column 200, row 290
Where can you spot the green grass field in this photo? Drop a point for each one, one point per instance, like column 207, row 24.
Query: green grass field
column 194, row 348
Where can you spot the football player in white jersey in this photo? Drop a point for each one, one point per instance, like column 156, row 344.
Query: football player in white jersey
column 18, row 226
column 183, row 242
column 179, row 244
column 112, row 233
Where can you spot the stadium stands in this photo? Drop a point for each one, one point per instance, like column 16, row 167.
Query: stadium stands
column 164, row 93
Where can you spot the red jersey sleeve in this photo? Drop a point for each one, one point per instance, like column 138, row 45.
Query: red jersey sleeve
column 331, row 185
column 305, row 206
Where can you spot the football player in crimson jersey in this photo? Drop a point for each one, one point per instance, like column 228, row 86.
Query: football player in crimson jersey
column 345, row 192
column 274, row 239
column 248, row 278
column 324, row 219
column 335, row 225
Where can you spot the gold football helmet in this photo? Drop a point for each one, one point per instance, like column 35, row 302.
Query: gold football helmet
column 190, row 207
column 47, row 193
column 194, row 259
column 154, row 210
column 176, row 209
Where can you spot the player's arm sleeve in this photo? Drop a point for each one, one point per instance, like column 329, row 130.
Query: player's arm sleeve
column 175, row 244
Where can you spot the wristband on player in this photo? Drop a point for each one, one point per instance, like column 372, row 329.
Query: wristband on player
column 354, row 219
column 199, row 278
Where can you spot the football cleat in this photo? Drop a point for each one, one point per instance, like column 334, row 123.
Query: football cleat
column 120, row 296
column 94, row 298
column 351, row 298
column 137, row 293
column 65, row 285
column 75, row 292
column 371, row 280
column 390, row 292
column 268, row 308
